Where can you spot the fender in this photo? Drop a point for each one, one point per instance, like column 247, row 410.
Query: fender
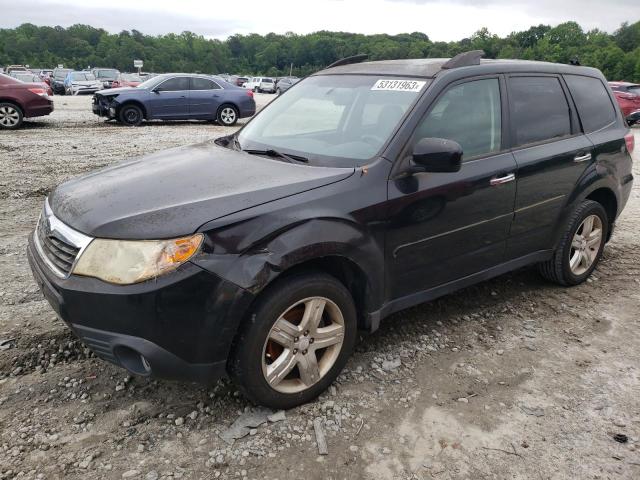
column 598, row 176
column 255, row 265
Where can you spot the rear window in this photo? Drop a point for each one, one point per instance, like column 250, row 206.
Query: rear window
column 539, row 109
column 592, row 101
column 267, row 80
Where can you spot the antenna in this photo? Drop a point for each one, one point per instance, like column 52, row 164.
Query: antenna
column 465, row 59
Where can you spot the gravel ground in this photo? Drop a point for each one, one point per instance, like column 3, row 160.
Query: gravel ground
column 512, row 378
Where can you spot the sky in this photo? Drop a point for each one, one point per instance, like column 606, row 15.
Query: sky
column 441, row 20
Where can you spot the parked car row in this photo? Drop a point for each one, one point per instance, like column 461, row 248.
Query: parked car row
column 261, row 84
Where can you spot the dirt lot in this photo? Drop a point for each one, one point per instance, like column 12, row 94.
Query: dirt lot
column 513, row 378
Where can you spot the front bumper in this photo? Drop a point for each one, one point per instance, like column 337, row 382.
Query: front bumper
column 179, row 326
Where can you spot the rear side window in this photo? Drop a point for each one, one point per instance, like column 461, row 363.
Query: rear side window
column 539, row 109
column 203, row 84
column 174, row 85
column 592, row 101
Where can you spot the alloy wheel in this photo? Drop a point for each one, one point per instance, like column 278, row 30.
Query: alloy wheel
column 585, row 245
column 228, row 115
column 9, row 116
column 303, row 344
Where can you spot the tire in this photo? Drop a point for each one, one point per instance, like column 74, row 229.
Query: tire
column 253, row 351
column 227, row 115
column 11, row 116
column 585, row 251
column 130, row 115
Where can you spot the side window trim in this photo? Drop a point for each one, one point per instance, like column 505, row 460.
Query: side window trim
column 405, row 154
column 573, row 119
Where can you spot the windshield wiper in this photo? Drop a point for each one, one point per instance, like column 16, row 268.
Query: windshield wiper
column 276, row 154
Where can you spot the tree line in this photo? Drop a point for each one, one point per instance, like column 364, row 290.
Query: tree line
column 81, row 46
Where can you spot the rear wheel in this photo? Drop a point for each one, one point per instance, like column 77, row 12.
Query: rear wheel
column 131, row 115
column 299, row 337
column 11, row 116
column 227, row 115
column 581, row 246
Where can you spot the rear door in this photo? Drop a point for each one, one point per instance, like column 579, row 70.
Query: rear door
column 170, row 99
column 551, row 154
column 204, row 98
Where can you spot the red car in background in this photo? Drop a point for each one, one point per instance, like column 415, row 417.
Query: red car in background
column 32, row 78
column 126, row 80
column 19, row 100
column 628, row 96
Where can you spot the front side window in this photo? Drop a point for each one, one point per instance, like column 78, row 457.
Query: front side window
column 539, row 109
column 592, row 101
column 176, row 84
column 334, row 120
column 470, row 114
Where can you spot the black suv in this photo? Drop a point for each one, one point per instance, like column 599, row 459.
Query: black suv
column 368, row 188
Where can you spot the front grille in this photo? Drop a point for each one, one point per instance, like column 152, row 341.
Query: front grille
column 57, row 251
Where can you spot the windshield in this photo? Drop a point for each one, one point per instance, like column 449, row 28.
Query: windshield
column 153, row 81
column 333, row 120
column 61, row 73
column 27, row 78
column 107, row 74
column 82, row 76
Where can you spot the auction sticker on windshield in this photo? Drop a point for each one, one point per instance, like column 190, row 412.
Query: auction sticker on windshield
column 398, row 85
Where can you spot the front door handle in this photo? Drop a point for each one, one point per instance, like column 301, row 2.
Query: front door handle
column 509, row 177
column 582, row 158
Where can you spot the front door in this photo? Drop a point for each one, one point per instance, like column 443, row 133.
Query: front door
column 204, row 98
column 445, row 226
column 170, row 99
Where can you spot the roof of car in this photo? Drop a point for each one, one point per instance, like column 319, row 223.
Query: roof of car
column 430, row 67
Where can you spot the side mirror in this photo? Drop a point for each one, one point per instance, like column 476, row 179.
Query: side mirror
column 437, row 155
column 634, row 118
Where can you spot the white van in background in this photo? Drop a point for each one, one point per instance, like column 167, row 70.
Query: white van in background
column 261, row 84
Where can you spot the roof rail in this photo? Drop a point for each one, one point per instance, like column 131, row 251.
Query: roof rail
column 348, row 60
column 465, row 59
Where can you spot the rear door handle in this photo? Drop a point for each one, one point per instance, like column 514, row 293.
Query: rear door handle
column 509, row 177
column 582, row 158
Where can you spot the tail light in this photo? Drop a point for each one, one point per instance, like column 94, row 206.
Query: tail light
column 630, row 141
column 39, row 91
column 250, row 93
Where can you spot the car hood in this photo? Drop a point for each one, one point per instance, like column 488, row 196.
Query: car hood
column 86, row 83
column 174, row 192
column 119, row 90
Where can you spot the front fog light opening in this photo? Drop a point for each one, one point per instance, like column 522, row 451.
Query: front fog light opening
column 132, row 360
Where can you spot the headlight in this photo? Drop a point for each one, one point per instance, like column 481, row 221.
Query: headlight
column 132, row 261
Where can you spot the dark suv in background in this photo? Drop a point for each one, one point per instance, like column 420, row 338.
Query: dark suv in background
column 366, row 189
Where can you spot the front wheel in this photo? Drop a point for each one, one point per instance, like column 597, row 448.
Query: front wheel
column 227, row 115
column 131, row 115
column 581, row 246
column 298, row 338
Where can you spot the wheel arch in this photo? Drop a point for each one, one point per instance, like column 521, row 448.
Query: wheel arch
column 605, row 197
column 137, row 103
column 346, row 271
column 13, row 102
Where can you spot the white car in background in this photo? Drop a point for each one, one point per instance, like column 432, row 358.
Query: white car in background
column 261, row 84
column 81, row 82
